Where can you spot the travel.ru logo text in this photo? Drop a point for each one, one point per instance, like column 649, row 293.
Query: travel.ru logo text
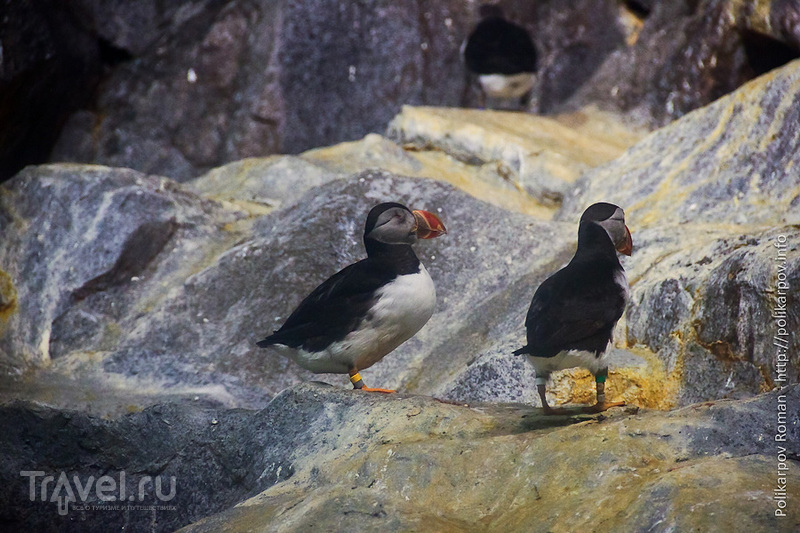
column 65, row 491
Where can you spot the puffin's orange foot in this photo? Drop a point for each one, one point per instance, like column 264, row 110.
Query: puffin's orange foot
column 599, row 407
column 369, row 389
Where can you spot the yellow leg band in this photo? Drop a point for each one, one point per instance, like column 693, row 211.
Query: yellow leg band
column 355, row 378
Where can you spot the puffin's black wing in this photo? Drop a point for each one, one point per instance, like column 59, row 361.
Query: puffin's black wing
column 333, row 309
column 571, row 311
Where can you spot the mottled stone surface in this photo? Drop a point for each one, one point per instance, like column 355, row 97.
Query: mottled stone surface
column 204, row 458
column 542, row 156
column 130, row 306
column 186, row 320
column 322, row 458
column 65, row 225
column 682, row 55
column 224, row 81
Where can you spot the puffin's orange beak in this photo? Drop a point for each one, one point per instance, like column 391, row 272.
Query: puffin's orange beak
column 627, row 246
column 428, row 225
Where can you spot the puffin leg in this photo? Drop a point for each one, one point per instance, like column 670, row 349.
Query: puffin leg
column 602, row 404
column 542, row 388
column 358, row 383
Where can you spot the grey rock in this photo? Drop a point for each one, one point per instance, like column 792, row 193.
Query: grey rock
column 540, row 156
column 364, row 61
column 734, row 152
column 683, row 55
column 78, row 240
column 127, row 293
column 188, row 86
column 221, row 311
column 163, row 456
column 270, row 181
column 186, row 314
column 318, row 456
column 225, row 81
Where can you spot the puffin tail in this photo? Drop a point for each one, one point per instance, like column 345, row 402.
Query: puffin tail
column 522, row 351
column 269, row 341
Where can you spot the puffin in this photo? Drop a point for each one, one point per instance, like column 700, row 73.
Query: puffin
column 367, row 309
column 573, row 312
column 502, row 55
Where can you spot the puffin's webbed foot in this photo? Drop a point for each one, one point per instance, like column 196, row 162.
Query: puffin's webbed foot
column 369, row 389
column 358, row 384
column 601, row 406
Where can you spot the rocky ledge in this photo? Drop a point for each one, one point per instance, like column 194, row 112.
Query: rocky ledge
column 319, row 458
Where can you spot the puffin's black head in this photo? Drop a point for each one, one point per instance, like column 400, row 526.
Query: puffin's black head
column 612, row 219
column 393, row 223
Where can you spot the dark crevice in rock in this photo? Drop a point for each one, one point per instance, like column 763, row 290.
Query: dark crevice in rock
column 139, row 250
column 111, row 55
column 49, row 68
column 639, row 8
column 765, row 53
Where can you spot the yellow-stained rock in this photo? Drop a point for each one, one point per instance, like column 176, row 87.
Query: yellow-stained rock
column 539, row 154
column 435, row 467
column 490, row 181
column 8, row 297
column 730, row 162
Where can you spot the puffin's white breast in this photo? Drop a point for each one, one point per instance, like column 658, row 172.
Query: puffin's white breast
column 507, row 86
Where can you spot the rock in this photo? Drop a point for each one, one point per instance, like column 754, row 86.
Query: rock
column 82, row 245
column 391, row 457
column 730, row 153
column 693, row 330
column 259, row 184
column 168, row 111
column 708, row 253
column 683, row 55
column 573, row 40
column 130, row 304
column 185, row 457
column 540, row 155
column 223, row 81
column 49, row 65
column 324, row 458
column 135, row 28
column 365, row 61
column 188, row 86
column 221, row 311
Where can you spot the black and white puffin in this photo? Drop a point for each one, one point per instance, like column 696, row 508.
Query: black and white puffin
column 502, row 55
column 366, row 310
column 574, row 311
